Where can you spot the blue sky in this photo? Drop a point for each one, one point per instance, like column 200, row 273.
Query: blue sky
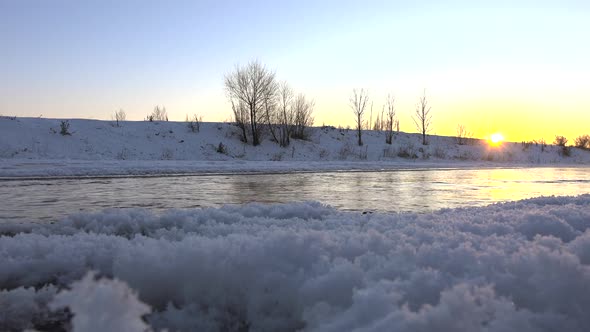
column 488, row 65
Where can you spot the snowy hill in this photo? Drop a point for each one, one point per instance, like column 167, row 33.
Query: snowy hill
column 38, row 139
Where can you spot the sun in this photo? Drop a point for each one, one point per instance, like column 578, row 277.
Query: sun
column 496, row 139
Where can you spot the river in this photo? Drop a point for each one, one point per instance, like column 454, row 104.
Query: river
column 419, row 190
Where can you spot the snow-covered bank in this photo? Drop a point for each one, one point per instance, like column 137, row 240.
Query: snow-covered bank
column 40, row 140
column 517, row 266
column 19, row 168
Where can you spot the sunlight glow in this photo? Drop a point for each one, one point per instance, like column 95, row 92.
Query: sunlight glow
column 496, row 139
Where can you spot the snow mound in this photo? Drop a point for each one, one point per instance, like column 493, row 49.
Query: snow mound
column 102, row 305
column 517, row 266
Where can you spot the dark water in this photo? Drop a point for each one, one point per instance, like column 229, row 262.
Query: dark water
column 401, row 190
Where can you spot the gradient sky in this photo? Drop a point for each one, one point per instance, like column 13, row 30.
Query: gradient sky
column 518, row 67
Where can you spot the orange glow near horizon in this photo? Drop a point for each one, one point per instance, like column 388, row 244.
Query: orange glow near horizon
column 496, row 139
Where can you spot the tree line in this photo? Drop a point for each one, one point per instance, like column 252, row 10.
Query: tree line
column 359, row 101
column 261, row 103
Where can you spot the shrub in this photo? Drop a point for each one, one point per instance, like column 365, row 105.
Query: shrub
column 425, row 153
column 526, row 145
column 583, row 142
column 488, row 157
column 565, row 151
column 65, row 128
column 363, row 152
column 221, row 148
column 345, row 151
column 158, row 114
column 277, row 156
column 119, row 116
column 388, row 152
column 167, row 154
column 463, row 135
column 439, row 152
column 194, row 123
column 407, row 152
column 466, row 155
column 123, row 154
column 560, row 140
column 403, row 153
column 543, row 144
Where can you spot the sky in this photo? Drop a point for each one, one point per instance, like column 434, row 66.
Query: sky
column 521, row 68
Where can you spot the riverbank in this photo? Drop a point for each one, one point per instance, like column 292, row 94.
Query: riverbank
column 47, row 169
column 141, row 147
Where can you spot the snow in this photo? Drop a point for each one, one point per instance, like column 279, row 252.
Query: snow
column 19, row 168
column 33, row 147
column 519, row 266
column 103, row 305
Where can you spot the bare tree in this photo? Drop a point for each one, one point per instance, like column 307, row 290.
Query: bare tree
column 249, row 86
column 390, row 122
column 285, row 114
column 303, row 119
column 422, row 118
column 463, row 135
column 119, row 115
column 358, row 103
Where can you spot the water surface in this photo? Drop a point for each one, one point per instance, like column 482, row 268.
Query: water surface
column 420, row 190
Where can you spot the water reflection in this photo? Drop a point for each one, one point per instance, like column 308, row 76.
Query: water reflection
column 404, row 190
